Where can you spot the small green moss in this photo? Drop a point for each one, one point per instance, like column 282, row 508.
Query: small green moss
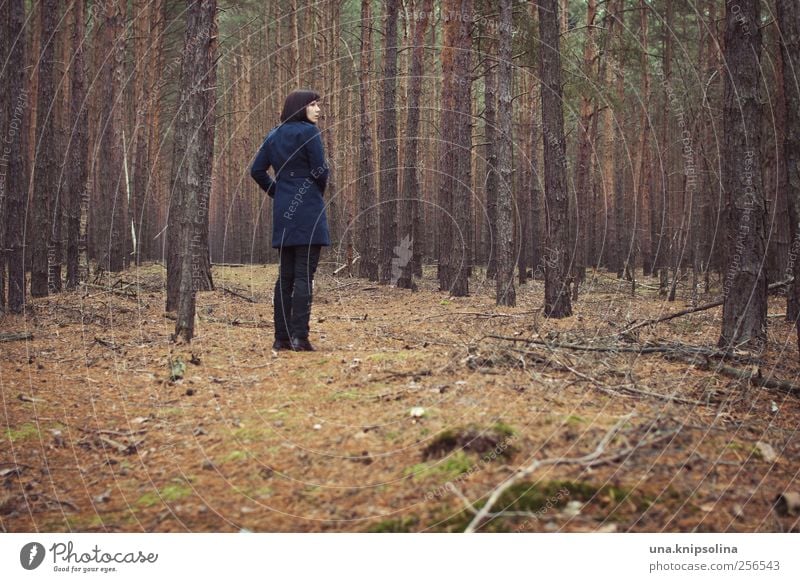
column 449, row 468
column 25, row 432
column 608, row 502
column 149, row 499
column 169, row 494
column 574, row 420
column 400, row 525
column 249, row 434
column 263, row 492
column 170, row 411
column 390, row 356
column 235, row 456
column 487, row 442
column 504, row 429
column 345, row 395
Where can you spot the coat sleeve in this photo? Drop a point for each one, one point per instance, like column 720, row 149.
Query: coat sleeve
column 316, row 156
column 258, row 171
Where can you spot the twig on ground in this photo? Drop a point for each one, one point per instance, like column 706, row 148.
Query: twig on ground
column 239, row 295
column 106, row 343
column 592, row 459
column 15, row 337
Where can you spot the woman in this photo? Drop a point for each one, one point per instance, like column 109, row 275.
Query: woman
column 299, row 225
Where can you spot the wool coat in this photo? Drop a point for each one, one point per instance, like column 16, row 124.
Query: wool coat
column 295, row 153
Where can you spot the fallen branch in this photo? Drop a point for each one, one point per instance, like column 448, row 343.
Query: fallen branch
column 346, row 265
column 343, row 285
column 239, row 295
column 15, row 337
column 752, row 376
column 106, row 343
column 675, row 348
column 592, row 459
column 122, row 291
column 692, row 310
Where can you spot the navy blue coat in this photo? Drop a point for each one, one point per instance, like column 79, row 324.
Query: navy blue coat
column 295, row 153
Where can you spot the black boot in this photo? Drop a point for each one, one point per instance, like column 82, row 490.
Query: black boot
column 282, row 344
column 301, row 344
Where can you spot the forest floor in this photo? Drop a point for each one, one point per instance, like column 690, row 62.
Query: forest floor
column 406, row 418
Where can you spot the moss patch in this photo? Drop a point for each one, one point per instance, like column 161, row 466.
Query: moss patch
column 472, row 439
column 25, row 432
column 399, row 525
column 169, row 494
column 544, row 499
column 449, row 468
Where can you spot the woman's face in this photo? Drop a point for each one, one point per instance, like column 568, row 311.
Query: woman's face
column 313, row 111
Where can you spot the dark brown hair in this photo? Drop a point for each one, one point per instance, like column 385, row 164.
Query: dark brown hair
column 294, row 108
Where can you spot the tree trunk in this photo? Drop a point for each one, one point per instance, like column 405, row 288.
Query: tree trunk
column 19, row 102
column 367, row 218
column 45, row 170
column 139, row 136
column 557, row 297
column 491, row 181
column 522, row 196
column 536, row 196
column 113, row 227
column 609, row 68
column 660, row 216
column 642, row 179
column 789, row 21
column 193, row 154
column 390, row 256
column 455, row 149
column 505, row 293
column 584, row 162
column 78, row 170
column 410, row 227
column 620, row 255
column 462, row 203
column 744, row 315
column 5, row 151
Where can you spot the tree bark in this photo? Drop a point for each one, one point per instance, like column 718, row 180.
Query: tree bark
column 491, row 180
column 455, row 149
column 557, row 297
column 744, row 315
column 410, row 227
column 367, row 216
column 19, row 102
column 113, row 227
column 582, row 213
column 788, row 14
column 5, row 151
column 642, row 179
column 78, row 155
column 45, row 170
column 391, row 256
column 505, row 292
column 193, row 154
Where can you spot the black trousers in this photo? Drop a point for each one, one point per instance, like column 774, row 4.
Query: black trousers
column 293, row 290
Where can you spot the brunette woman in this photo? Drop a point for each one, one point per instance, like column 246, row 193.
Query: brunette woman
column 294, row 151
